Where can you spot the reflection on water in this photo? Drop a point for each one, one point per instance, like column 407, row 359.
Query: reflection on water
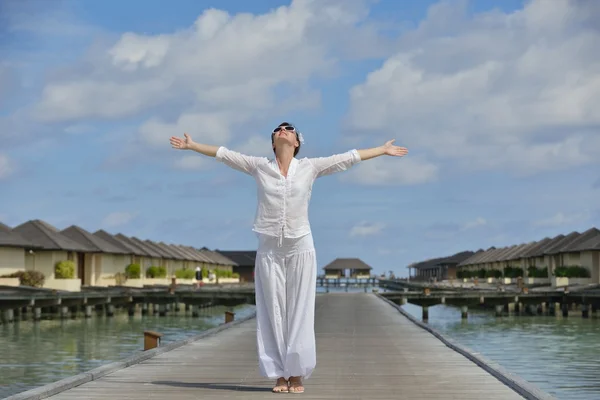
column 559, row 355
column 34, row 354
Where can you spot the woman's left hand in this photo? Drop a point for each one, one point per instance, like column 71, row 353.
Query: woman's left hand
column 392, row 150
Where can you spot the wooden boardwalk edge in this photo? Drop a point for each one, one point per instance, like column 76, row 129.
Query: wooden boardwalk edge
column 526, row 389
column 62, row 385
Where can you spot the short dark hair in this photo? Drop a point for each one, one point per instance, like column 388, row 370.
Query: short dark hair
column 297, row 149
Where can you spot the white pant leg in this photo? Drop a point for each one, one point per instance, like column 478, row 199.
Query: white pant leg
column 285, row 284
column 301, row 275
column 269, row 284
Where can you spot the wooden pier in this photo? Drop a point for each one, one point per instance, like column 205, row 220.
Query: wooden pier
column 366, row 349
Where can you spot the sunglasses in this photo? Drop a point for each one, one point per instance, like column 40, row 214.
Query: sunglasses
column 287, row 128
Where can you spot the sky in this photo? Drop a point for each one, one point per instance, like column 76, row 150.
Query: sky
column 497, row 102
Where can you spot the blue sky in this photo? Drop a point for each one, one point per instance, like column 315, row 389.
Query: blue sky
column 496, row 100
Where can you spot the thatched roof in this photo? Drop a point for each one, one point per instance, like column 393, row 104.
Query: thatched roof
column 119, row 243
column 177, row 250
column 576, row 241
column 474, row 259
column 347, row 263
column 593, row 243
column 241, row 258
column 555, row 246
column 152, row 252
column 8, row 238
column 139, row 250
column 192, row 253
column 174, row 254
column 86, row 238
column 217, row 257
column 524, row 248
column 452, row 260
column 539, row 250
column 48, row 237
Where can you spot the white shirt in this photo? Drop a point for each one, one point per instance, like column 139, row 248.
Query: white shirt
column 282, row 208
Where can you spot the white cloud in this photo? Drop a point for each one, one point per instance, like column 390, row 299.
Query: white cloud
column 367, row 229
column 561, row 219
column 116, row 219
column 386, row 170
column 7, row 166
column 257, row 146
column 190, row 162
column 513, row 92
column 475, row 223
column 222, row 73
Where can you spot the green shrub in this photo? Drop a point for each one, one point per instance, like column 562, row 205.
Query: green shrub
column 222, row 273
column 204, row 272
column 466, row 274
column 513, row 272
column 573, row 271
column 185, row 274
column 493, row 273
column 133, row 271
column 156, row 272
column 28, row 278
column 534, row 272
column 64, row 270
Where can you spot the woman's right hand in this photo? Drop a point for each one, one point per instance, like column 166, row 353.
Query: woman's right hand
column 181, row 144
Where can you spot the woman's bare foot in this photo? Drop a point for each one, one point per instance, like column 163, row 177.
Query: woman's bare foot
column 296, row 384
column 281, row 386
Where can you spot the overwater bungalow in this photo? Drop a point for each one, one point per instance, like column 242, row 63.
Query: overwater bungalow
column 157, row 257
column 347, row 268
column 54, row 247
column 439, row 268
column 148, row 259
column 561, row 259
column 167, row 258
column 133, row 254
column 176, row 261
column 245, row 261
column 107, row 260
column 589, row 256
column 190, row 260
column 12, row 253
column 199, row 259
column 563, row 253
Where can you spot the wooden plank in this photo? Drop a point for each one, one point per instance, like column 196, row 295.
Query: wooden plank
column 365, row 350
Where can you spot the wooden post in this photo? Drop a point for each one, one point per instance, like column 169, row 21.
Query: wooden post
column 525, row 290
column 151, row 340
column 173, row 285
column 499, row 310
column 229, row 317
column 427, row 291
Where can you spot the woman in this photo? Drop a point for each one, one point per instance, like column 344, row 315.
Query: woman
column 286, row 265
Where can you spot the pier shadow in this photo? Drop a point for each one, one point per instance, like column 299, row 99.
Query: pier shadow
column 213, row 386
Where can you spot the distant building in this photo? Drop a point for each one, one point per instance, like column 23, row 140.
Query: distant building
column 347, row 268
column 245, row 263
column 438, row 268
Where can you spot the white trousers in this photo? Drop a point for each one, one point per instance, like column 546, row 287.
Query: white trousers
column 285, row 283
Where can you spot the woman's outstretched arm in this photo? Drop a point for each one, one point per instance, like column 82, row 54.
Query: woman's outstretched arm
column 188, row 144
column 235, row 160
column 341, row 162
column 387, row 149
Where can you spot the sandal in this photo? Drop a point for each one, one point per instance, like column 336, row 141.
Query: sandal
column 281, row 386
column 295, row 385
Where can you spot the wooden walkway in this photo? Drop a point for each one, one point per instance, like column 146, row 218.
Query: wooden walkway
column 366, row 349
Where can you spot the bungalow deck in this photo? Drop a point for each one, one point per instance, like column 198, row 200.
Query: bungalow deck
column 366, row 349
